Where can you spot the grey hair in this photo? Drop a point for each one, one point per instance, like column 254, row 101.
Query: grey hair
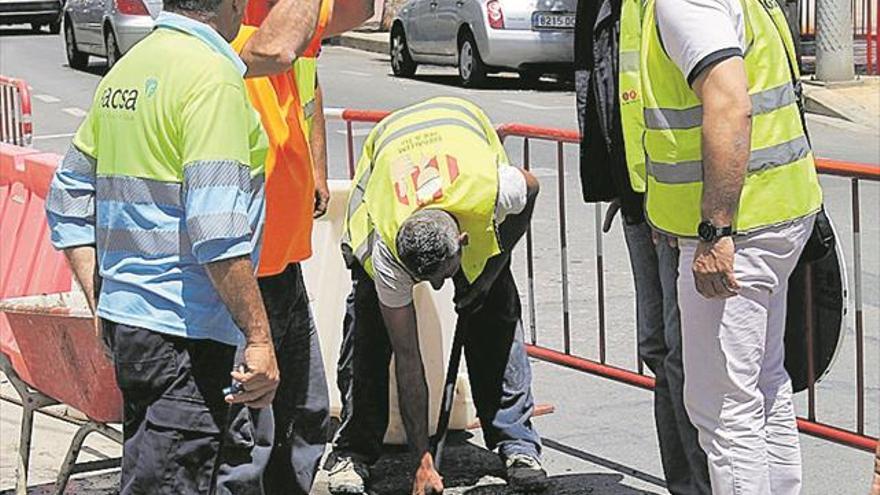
column 426, row 240
column 206, row 7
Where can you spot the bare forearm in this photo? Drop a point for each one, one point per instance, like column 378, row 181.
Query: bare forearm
column 726, row 139
column 83, row 262
column 412, row 387
column 236, row 283
column 318, row 138
column 284, row 35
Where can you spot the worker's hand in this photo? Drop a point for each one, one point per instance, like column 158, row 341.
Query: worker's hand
column 259, row 378
column 612, row 210
column 713, row 269
column 322, row 197
column 469, row 298
column 427, row 481
column 659, row 237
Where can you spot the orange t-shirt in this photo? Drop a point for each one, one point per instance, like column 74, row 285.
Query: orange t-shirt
column 290, row 182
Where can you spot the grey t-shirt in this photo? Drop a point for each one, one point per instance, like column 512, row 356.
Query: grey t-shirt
column 698, row 34
column 394, row 285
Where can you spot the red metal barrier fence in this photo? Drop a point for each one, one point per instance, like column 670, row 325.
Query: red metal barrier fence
column 16, row 126
column 854, row 172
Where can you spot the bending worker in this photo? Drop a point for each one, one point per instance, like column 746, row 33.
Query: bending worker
column 435, row 198
column 730, row 173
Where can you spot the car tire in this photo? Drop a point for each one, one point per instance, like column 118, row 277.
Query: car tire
column 402, row 64
column 111, row 48
column 75, row 58
column 471, row 69
column 55, row 26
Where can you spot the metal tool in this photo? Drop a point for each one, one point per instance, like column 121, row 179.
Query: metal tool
column 439, row 440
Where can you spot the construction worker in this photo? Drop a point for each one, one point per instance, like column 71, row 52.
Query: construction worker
column 608, row 34
column 434, row 198
column 161, row 194
column 296, row 190
column 730, row 174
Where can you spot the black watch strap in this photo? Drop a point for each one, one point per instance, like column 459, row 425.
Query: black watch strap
column 708, row 232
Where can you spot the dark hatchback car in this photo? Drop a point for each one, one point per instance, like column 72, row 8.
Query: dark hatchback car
column 37, row 13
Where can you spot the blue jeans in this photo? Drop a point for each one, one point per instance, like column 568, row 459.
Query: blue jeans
column 283, row 444
column 655, row 270
column 498, row 367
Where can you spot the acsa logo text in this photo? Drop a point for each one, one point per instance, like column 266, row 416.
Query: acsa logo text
column 120, row 99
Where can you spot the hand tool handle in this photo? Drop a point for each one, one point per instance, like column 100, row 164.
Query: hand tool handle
column 449, row 389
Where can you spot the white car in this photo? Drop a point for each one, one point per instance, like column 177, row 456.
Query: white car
column 105, row 28
column 532, row 37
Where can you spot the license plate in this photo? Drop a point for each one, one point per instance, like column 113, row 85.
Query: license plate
column 552, row 20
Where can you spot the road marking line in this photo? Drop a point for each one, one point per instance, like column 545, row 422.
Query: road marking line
column 532, row 106
column 76, row 112
column 55, row 136
column 354, row 73
column 356, row 132
column 47, row 98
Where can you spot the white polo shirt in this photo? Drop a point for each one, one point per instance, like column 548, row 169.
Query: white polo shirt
column 698, row 34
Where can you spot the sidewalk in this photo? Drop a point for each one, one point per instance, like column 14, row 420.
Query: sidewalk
column 857, row 102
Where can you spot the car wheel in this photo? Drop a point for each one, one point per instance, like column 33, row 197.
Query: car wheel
column 111, row 48
column 471, row 69
column 402, row 63
column 75, row 58
column 55, row 26
column 36, row 27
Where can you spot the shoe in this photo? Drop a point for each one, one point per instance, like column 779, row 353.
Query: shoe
column 348, row 476
column 525, row 473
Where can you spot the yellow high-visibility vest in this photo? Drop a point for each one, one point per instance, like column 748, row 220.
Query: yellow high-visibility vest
column 305, row 74
column 629, row 89
column 781, row 182
column 442, row 153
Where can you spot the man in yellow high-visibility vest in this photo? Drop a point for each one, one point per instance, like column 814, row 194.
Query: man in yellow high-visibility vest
column 731, row 175
column 435, row 198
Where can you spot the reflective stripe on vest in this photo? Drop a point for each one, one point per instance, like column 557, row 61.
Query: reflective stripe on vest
column 305, row 73
column 781, row 182
column 630, row 91
column 431, row 155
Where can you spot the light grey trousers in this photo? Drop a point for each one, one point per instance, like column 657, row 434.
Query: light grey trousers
column 655, row 270
column 737, row 391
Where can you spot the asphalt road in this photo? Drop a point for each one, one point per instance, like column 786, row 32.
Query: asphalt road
column 601, row 439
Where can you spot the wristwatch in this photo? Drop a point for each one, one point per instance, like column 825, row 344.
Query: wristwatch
column 710, row 233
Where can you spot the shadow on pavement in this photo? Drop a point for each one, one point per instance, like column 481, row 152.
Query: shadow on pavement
column 614, row 466
column 472, row 470
column 99, row 69
column 24, row 32
column 495, row 82
column 106, row 483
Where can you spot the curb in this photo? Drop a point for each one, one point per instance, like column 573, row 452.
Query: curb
column 825, row 102
column 362, row 41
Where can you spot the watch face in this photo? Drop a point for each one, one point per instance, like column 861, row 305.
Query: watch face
column 706, row 231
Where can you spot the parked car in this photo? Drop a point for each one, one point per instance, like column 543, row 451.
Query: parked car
column 532, row 37
column 37, row 13
column 105, row 28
